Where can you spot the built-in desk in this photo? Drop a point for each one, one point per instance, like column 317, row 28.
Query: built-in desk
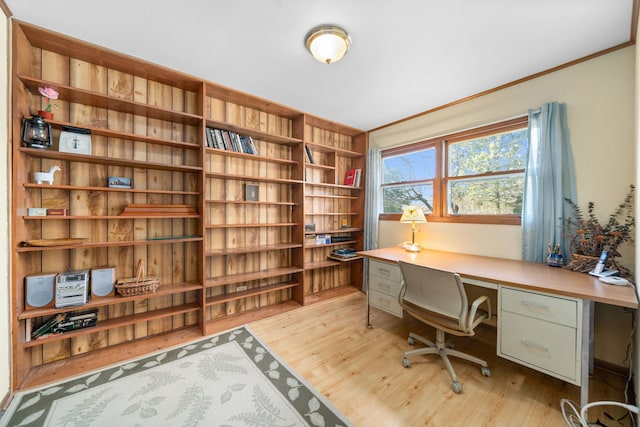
column 545, row 314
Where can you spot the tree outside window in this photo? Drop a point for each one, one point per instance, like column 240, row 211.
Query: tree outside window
column 471, row 176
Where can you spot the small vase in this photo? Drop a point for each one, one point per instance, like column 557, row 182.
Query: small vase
column 47, row 115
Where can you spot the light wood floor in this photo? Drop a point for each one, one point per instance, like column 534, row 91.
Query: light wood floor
column 360, row 371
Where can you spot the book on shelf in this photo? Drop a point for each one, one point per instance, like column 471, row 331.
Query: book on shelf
column 352, row 177
column 61, row 323
column 217, row 133
column 308, row 154
column 208, row 141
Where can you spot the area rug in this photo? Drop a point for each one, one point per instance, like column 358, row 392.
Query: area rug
column 230, row 379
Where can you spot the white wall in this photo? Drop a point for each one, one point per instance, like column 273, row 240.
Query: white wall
column 599, row 94
column 5, row 367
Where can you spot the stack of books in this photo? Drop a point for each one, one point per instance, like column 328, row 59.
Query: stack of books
column 64, row 322
column 344, row 254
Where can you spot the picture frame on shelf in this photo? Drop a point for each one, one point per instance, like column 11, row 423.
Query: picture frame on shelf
column 118, row 182
column 251, row 193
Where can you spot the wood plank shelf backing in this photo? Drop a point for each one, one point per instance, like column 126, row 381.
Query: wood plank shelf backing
column 221, row 229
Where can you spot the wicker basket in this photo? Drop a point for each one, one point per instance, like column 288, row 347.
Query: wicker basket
column 138, row 285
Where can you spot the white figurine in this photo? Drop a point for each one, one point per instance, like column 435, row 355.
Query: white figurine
column 46, row 176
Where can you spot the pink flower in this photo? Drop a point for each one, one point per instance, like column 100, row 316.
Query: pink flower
column 48, row 94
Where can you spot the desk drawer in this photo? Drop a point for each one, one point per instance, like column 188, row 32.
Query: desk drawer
column 385, row 302
column 385, row 286
column 385, row 270
column 545, row 346
column 553, row 309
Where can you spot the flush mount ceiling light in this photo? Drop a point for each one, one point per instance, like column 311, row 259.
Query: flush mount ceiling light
column 328, row 43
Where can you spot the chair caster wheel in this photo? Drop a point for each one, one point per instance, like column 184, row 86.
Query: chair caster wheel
column 486, row 372
column 406, row 363
column 456, row 387
column 411, row 341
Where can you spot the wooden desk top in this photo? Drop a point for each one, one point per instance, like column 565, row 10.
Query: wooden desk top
column 519, row 274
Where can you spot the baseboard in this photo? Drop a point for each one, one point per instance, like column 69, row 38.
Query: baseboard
column 611, row 367
column 4, row 403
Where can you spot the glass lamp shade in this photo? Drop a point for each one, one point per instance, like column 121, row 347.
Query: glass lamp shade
column 413, row 214
column 328, row 43
column 36, row 133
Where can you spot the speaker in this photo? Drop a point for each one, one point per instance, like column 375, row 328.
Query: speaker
column 39, row 290
column 103, row 280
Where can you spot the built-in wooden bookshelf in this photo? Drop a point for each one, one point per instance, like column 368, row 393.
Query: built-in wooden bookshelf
column 239, row 256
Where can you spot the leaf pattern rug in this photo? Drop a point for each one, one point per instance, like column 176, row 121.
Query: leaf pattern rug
column 229, row 380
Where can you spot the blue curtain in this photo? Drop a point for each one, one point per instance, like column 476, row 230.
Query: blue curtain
column 549, row 179
column 372, row 206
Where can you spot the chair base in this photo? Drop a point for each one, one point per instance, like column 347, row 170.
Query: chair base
column 440, row 348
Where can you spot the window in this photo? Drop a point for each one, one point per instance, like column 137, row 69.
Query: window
column 471, row 176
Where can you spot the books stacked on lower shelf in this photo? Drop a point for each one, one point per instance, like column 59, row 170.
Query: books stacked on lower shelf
column 344, row 254
column 64, row 322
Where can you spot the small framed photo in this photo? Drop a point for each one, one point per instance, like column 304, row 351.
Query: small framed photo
column 251, row 193
column 118, row 182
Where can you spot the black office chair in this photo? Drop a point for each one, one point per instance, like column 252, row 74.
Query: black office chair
column 438, row 298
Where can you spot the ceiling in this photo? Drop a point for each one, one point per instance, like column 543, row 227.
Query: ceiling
column 408, row 56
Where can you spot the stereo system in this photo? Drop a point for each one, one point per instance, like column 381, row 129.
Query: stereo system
column 72, row 288
column 69, row 288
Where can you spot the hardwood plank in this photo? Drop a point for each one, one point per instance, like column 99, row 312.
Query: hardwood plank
column 360, row 371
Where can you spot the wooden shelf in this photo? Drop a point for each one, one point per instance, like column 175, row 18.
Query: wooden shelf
column 86, row 97
column 111, row 217
column 249, row 202
column 158, row 241
column 321, row 264
column 276, row 139
column 252, row 178
column 163, row 290
column 254, row 157
column 247, row 277
column 319, row 166
column 129, row 136
column 112, row 161
column 233, row 296
column 324, row 184
column 338, row 151
column 348, row 242
column 118, row 322
column 330, row 196
column 252, row 225
column 341, row 230
column 108, row 189
column 251, row 249
column 331, row 213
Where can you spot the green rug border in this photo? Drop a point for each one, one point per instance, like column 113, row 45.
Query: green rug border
column 276, row 370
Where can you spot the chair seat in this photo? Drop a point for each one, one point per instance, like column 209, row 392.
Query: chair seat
column 440, row 321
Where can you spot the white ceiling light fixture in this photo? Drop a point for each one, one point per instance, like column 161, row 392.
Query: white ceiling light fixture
column 328, row 43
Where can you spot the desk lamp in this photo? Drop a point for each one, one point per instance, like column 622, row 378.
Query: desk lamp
column 413, row 214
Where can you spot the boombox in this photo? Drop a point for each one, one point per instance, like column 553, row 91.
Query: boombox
column 72, row 288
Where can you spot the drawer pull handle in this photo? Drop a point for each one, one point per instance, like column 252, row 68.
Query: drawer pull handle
column 537, row 305
column 384, row 287
column 384, row 272
column 384, row 302
column 537, row 346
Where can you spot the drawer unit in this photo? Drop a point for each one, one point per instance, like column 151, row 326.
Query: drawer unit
column 541, row 331
column 385, row 282
column 540, row 306
column 385, row 302
column 385, row 270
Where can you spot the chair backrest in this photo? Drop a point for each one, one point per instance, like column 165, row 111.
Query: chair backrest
column 434, row 290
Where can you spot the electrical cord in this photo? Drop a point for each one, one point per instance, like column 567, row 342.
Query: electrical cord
column 575, row 418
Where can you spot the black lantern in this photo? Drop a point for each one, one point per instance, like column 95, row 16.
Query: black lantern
column 36, row 133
